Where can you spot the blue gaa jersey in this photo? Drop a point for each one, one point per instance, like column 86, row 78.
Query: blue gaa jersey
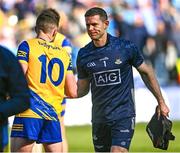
column 109, row 69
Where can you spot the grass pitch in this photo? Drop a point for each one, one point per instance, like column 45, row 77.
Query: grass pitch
column 80, row 140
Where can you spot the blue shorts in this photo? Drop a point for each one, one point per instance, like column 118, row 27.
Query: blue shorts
column 39, row 130
column 116, row 133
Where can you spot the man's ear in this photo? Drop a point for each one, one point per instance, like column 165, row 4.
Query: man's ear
column 54, row 32
column 106, row 23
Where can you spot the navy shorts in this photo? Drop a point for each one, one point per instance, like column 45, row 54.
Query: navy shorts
column 39, row 130
column 116, row 133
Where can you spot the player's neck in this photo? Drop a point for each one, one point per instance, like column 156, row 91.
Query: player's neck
column 45, row 37
column 101, row 41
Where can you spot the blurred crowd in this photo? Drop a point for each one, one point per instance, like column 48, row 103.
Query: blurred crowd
column 153, row 25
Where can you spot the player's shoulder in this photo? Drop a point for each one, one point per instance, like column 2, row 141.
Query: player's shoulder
column 28, row 41
column 62, row 40
column 7, row 58
column 118, row 40
column 87, row 48
column 24, row 45
column 59, row 36
column 125, row 43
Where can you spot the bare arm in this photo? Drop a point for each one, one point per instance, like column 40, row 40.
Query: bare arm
column 24, row 67
column 83, row 87
column 151, row 82
column 70, row 86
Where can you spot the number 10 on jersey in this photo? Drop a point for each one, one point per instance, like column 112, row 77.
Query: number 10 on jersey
column 47, row 69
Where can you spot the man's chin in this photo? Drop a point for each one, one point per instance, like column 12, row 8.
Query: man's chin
column 94, row 38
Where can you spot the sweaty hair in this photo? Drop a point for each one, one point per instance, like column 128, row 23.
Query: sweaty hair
column 47, row 19
column 97, row 11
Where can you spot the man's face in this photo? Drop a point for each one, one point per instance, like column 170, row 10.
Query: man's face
column 96, row 27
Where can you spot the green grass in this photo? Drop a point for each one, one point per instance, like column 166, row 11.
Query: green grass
column 80, row 140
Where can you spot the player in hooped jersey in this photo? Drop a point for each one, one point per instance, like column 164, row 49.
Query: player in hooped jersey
column 105, row 65
column 48, row 70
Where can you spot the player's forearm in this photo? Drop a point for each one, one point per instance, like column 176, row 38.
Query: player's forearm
column 72, row 92
column 82, row 93
column 152, row 84
column 149, row 79
column 83, row 88
column 70, row 86
column 24, row 67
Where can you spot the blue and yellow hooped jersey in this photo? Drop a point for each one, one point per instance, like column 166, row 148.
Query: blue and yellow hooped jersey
column 48, row 63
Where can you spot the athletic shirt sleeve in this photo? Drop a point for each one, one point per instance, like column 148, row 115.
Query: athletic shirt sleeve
column 136, row 57
column 82, row 74
column 23, row 52
column 67, row 46
column 66, row 43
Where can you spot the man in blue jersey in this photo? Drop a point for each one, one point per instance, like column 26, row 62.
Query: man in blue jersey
column 14, row 93
column 105, row 65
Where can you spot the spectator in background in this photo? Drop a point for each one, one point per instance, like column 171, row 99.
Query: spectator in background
column 161, row 40
column 149, row 51
column 14, row 93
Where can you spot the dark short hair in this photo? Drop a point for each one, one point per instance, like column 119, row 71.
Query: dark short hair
column 46, row 19
column 97, row 11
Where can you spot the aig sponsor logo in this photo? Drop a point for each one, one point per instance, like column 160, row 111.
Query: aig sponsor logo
column 91, row 64
column 109, row 77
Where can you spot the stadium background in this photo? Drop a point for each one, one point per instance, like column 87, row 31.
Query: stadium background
column 154, row 25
